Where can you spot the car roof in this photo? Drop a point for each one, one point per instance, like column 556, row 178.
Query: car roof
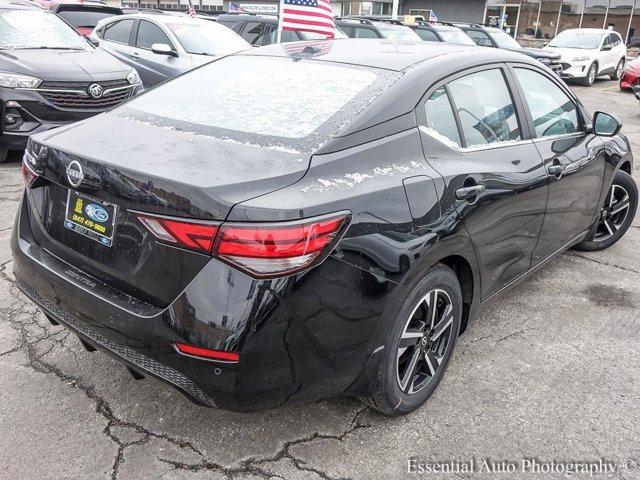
column 18, row 5
column 171, row 18
column 589, row 30
column 390, row 55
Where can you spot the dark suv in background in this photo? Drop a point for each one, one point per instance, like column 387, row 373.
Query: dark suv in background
column 81, row 15
column 486, row 36
column 51, row 75
column 261, row 30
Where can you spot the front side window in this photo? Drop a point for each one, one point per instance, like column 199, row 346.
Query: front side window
column 485, row 108
column 480, row 38
column 149, row 33
column 552, row 110
column 427, row 35
column 119, row 31
column 440, row 119
column 24, row 29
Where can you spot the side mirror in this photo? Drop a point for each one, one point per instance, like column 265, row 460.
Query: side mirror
column 606, row 47
column 606, row 125
column 163, row 49
column 93, row 41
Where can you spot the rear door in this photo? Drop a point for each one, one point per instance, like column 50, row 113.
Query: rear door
column 573, row 158
column 154, row 68
column 492, row 171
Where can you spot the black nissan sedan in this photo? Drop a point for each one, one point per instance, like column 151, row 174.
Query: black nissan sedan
column 332, row 232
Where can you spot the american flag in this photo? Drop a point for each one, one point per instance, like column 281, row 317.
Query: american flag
column 433, row 18
column 308, row 49
column 307, row 16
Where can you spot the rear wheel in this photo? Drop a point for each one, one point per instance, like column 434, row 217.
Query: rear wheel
column 618, row 71
column 591, row 75
column 420, row 344
column 616, row 216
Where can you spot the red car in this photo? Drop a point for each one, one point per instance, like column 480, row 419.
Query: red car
column 81, row 15
column 631, row 75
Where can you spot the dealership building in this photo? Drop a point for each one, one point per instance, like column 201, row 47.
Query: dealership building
column 525, row 19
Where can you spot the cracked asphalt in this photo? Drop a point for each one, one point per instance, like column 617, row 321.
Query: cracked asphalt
column 549, row 370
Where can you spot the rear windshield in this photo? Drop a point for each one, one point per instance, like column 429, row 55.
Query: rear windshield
column 85, row 17
column 265, row 96
column 20, row 29
column 207, row 38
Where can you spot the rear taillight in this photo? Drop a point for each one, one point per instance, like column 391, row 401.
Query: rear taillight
column 28, row 175
column 197, row 236
column 260, row 249
column 277, row 249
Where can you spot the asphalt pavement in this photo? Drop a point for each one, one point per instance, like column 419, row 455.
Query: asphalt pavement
column 550, row 371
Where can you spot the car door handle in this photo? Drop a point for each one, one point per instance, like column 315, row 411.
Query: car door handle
column 465, row 193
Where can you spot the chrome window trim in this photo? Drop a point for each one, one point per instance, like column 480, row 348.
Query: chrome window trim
column 477, row 148
column 559, row 136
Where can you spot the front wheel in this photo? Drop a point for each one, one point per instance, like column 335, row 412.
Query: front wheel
column 591, row 75
column 420, row 344
column 616, row 216
column 618, row 71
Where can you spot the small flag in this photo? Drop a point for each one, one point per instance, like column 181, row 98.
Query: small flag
column 307, row 16
column 433, row 18
column 235, row 8
column 190, row 10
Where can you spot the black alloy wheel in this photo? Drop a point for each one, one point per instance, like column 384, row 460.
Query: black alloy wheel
column 420, row 344
column 424, row 341
column 616, row 215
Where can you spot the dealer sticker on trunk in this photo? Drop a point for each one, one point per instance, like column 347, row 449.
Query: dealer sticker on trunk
column 91, row 218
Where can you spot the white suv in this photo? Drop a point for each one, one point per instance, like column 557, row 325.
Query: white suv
column 587, row 53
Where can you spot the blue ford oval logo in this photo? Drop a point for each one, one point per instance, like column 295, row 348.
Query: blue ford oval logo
column 96, row 212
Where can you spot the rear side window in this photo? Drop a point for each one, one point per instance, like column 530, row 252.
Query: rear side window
column 302, row 97
column 440, row 117
column 553, row 112
column 480, row 38
column 118, row 31
column 427, row 35
column 149, row 33
column 365, row 33
column 485, row 108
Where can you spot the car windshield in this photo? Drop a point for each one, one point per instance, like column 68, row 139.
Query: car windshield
column 398, row 32
column 455, row 36
column 20, row 29
column 587, row 41
column 504, row 40
column 207, row 38
column 84, row 17
column 271, row 96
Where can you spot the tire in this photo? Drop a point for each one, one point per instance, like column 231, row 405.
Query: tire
column 592, row 73
column 618, row 71
column 615, row 219
column 4, row 155
column 400, row 389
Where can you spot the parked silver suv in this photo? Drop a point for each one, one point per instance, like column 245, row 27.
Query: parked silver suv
column 160, row 47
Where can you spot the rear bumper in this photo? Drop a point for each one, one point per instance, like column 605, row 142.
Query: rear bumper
column 300, row 338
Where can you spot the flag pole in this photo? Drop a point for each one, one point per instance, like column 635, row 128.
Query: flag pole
column 280, row 13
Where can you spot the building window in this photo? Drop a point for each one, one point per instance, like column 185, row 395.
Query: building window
column 570, row 14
